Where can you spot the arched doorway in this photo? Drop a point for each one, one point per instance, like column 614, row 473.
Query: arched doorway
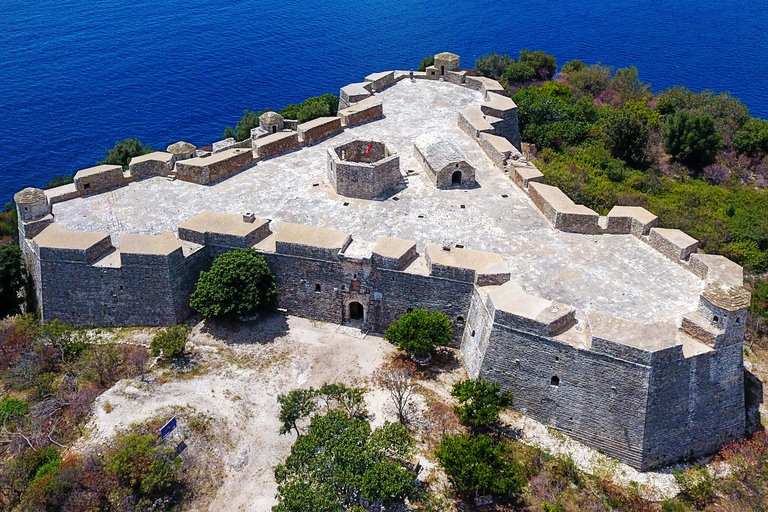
column 274, row 129
column 356, row 311
column 456, row 178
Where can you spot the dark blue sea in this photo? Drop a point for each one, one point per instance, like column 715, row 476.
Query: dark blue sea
column 77, row 75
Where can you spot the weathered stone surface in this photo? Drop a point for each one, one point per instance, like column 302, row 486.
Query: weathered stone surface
column 271, row 122
column 157, row 163
column 673, row 243
column 361, row 112
column 563, row 213
column 213, row 168
column 524, row 175
column 498, row 149
column 446, row 163
column 631, row 219
column 380, row 81
column 99, row 178
column 354, row 93
column 318, row 129
column 182, row 150
column 364, row 169
column 714, row 268
column 276, row 144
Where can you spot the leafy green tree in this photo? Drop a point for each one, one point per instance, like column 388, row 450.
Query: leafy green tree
column 312, row 108
column 124, row 150
column 419, row 332
column 239, row 283
column 297, row 404
column 728, row 113
column 351, row 401
column 627, row 133
column 170, row 342
column 752, row 139
column 242, row 130
column 476, row 464
column 587, row 80
column 340, row 463
column 691, row 138
column 542, row 63
column 13, row 280
column 480, row 401
column 493, row 65
column 518, row 73
column 143, row 464
column 627, row 82
column 426, row 62
column 57, row 181
column 550, row 117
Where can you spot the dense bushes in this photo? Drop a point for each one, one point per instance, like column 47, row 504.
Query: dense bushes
column 14, row 280
column 170, row 342
column 242, row 129
column 124, row 150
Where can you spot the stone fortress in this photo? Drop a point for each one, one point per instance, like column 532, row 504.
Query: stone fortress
column 608, row 328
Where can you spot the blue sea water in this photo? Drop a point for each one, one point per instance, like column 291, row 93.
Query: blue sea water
column 77, row 75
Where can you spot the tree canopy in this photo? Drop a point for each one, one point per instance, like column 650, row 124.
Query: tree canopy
column 170, row 342
column 692, row 138
column 419, row 332
column 341, row 463
column 124, row 150
column 480, row 401
column 13, row 280
column 239, row 283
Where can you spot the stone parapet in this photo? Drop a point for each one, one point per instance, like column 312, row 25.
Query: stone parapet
column 714, row 268
column 224, row 230
column 99, row 178
column 157, row 163
column 318, row 129
column 524, row 175
column 393, row 253
column 380, row 81
column 473, row 122
column 466, row 265
column 276, row 144
column 673, row 243
column 354, row 93
column 213, row 168
column 516, row 309
column 498, row 149
column 362, row 112
column 631, row 219
column 55, row 243
column 309, row 241
column 561, row 212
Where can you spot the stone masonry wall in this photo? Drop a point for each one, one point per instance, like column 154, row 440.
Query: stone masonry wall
column 606, row 413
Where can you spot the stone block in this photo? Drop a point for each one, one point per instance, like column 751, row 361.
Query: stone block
column 446, row 61
column 309, row 241
column 473, row 122
column 362, row 112
column 213, row 168
column 224, row 230
column 516, row 309
column 498, row 149
column 631, row 219
column 466, row 265
column 276, row 144
column 673, row 243
column 101, row 177
column 714, row 268
column 562, row 213
column 380, row 81
column 354, row 93
column 318, row 129
column 364, row 169
column 157, row 163
column 523, row 175
column 393, row 253
column 59, row 244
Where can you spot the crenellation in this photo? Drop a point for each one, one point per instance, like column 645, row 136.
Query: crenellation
column 601, row 337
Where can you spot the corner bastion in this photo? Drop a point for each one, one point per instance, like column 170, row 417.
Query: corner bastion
column 609, row 328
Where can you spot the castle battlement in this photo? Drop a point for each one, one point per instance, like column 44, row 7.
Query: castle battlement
column 631, row 343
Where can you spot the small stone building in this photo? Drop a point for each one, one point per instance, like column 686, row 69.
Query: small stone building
column 446, row 61
column 271, row 122
column 445, row 162
column 363, row 168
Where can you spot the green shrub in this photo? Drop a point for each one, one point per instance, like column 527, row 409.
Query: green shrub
column 144, row 464
column 518, row 73
column 748, row 254
column 692, row 138
column 419, row 332
column 426, row 62
column 476, row 464
column 12, row 408
column 752, row 139
column 542, row 63
column 493, row 65
column 312, row 108
column 170, row 342
column 57, row 181
column 587, row 80
column 242, row 130
column 239, row 283
column 124, row 150
column 480, row 401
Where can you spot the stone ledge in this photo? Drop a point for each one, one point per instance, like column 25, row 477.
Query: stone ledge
column 714, row 268
column 473, row 122
column 361, row 112
column 516, row 309
column 498, row 149
column 276, row 144
column 499, row 106
column 631, row 219
column 562, row 213
column 673, row 243
column 522, row 176
column 157, row 163
column 380, row 81
column 318, row 129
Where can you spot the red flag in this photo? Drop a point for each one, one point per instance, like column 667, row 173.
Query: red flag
column 367, row 151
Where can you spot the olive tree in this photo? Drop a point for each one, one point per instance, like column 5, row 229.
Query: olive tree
column 419, row 332
column 239, row 283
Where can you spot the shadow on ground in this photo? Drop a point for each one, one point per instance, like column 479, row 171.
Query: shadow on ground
column 265, row 329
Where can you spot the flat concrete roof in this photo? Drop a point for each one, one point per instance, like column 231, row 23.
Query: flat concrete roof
column 160, row 156
column 223, row 223
column 615, row 274
column 314, row 236
column 58, row 237
column 149, row 244
column 204, row 161
column 91, row 171
column 393, row 248
column 464, row 258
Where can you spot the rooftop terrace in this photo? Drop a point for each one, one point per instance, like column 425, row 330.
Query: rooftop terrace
column 615, row 274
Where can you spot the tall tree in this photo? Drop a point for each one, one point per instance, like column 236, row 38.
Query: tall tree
column 13, row 280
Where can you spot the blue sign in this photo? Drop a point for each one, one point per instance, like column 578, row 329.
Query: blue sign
column 168, row 428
